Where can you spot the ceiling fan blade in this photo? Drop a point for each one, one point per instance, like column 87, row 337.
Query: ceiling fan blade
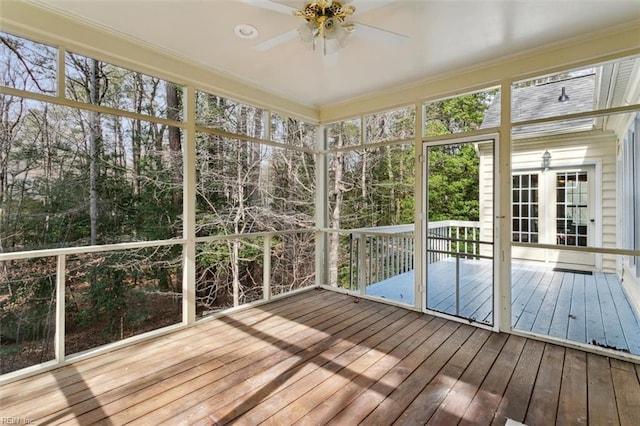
column 365, row 6
column 274, row 41
column 378, row 34
column 269, row 5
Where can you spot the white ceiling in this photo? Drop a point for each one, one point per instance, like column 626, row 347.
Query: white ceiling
column 443, row 36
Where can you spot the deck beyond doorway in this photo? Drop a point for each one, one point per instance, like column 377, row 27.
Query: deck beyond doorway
column 322, row 357
column 582, row 308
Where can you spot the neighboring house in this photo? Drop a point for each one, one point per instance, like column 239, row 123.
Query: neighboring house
column 575, row 182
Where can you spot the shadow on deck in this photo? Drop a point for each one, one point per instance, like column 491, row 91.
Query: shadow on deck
column 574, row 306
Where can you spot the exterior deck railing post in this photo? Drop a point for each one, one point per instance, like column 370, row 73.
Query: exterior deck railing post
column 60, row 308
column 266, row 271
column 351, row 269
column 362, row 263
column 457, row 283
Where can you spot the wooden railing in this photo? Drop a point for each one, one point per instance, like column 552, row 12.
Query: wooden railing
column 72, row 279
column 380, row 253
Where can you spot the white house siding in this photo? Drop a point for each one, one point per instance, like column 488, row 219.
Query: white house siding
column 594, row 148
column 628, row 272
column 485, row 150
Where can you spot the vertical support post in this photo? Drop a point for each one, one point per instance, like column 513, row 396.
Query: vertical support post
column 266, row 271
column 60, row 308
column 457, row 284
column 420, row 216
column 267, row 125
column 322, row 210
column 370, row 267
column 235, row 268
column 60, row 73
column 350, row 261
column 362, row 263
column 502, row 206
column 189, row 211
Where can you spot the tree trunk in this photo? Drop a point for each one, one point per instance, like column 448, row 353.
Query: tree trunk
column 393, row 213
column 237, row 229
column 94, row 142
column 337, row 192
column 136, row 142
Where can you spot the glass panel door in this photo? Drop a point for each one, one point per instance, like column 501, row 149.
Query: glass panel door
column 459, row 229
column 574, row 217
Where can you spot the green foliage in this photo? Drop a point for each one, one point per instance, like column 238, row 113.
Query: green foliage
column 108, row 295
column 454, row 169
column 453, row 183
column 460, row 114
column 28, row 311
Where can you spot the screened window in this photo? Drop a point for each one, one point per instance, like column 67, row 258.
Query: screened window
column 390, row 125
column 27, row 65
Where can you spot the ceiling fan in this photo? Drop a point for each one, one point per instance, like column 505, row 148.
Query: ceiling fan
column 327, row 24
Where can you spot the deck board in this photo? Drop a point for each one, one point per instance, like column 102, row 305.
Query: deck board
column 577, row 330
column 602, row 401
column 115, row 373
column 518, row 393
column 628, row 321
column 250, row 381
column 321, row 358
column 402, row 396
column 612, row 329
column 325, row 411
column 285, row 387
column 544, row 314
column 432, row 395
column 595, row 325
column 572, row 406
column 358, row 409
column 288, row 407
column 627, row 390
column 579, row 307
column 559, row 326
column 114, row 367
column 487, row 399
column 543, row 405
column 454, row 405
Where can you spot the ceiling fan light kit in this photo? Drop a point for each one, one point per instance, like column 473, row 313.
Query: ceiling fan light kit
column 325, row 25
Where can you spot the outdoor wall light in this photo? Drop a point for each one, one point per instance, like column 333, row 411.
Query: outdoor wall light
column 546, row 160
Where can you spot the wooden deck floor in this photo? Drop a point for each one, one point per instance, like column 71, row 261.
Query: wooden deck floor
column 582, row 308
column 324, row 358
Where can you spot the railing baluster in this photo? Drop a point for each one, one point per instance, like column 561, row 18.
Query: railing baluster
column 465, row 240
column 378, row 259
column 394, row 256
